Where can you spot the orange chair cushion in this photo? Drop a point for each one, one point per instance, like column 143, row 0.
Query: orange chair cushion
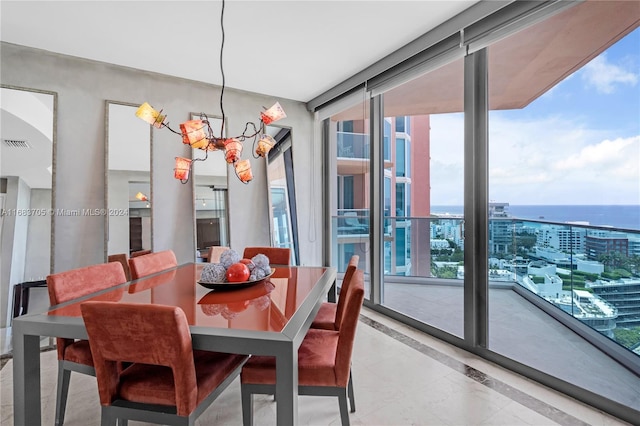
column 75, row 283
column 324, row 357
column 78, row 352
column 326, row 317
column 329, row 317
column 156, row 339
column 154, row 384
column 215, row 252
column 316, row 362
column 140, row 253
column 124, row 261
column 276, row 255
column 151, row 263
column 68, row 285
column 344, row 289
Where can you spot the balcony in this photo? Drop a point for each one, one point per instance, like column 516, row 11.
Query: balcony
column 353, row 145
column 566, row 319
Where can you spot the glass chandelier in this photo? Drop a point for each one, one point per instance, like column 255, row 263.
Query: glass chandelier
column 199, row 134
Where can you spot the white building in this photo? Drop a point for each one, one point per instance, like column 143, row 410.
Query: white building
column 564, row 238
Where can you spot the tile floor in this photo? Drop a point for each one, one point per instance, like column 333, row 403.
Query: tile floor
column 401, row 377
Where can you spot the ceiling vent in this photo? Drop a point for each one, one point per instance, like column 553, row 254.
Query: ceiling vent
column 15, row 143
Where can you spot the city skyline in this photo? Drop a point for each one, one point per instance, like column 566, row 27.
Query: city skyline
column 577, row 144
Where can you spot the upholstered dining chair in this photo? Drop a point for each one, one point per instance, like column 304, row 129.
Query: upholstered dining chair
column 324, row 361
column 168, row 382
column 215, row 252
column 76, row 355
column 276, row 255
column 148, row 264
column 124, row 260
column 330, row 314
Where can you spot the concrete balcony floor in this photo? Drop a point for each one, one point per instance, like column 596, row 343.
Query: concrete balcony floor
column 521, row 331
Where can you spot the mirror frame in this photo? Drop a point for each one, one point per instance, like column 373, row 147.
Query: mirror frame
column 196, row 116
column 294, row 215
column 108, row 102
column 54, row 155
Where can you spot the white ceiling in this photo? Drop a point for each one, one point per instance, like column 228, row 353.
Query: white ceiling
column 288, row 49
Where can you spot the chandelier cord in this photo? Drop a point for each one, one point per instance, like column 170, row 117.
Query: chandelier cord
column 213, row 140
column 222, row 70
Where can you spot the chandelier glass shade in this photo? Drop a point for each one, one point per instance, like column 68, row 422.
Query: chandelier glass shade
column 141, row 197
column 183, row 168
column 199, row 135
column 243, row 170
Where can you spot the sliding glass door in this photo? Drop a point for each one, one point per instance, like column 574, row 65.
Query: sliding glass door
column 424, row 198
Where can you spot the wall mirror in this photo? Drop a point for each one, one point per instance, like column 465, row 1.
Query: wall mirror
column 27, row 198
column 211, row 222
column 129, row 201
column 282, row 196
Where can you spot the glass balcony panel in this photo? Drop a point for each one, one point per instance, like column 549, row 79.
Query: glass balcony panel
column 537, row 291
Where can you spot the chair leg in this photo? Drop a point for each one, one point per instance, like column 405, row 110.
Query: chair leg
column 344, row 410
column 64, row 376
column 247, row 406
column 352, row 397
column 107, row 418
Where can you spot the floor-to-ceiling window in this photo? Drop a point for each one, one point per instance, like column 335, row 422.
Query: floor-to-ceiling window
column 564, row 158
column 349, row 162
column 424, row 184
column 429, row 279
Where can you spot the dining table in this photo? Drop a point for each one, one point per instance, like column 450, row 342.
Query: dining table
column 266, row 317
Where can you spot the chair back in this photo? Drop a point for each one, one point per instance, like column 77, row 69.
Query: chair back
column 344, row 289
column 141, row 333
column 141, row 266
column 140, row 253
column 276, row 255
column 124, row 261
column 68, row 285
column 354, row 299
column 215, row 252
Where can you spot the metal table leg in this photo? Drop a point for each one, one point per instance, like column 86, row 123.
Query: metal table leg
column 287, row 385
column 26, row 378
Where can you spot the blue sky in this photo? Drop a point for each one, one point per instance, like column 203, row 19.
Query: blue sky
column 579, row 143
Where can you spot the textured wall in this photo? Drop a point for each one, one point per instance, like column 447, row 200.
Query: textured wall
column 83, row 86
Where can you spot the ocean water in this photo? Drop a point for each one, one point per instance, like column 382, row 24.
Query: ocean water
column 617, row 216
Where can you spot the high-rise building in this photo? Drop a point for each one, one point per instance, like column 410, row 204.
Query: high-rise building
column 406, row 193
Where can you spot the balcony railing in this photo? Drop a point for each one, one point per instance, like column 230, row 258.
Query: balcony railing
column 353, row 145
column 591, row 273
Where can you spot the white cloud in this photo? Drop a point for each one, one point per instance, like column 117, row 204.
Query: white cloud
column 550, row 160
column 604, row 76
column 447, row 156
column 606, row 153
